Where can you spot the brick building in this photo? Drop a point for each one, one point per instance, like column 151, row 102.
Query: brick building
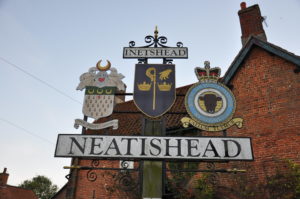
column 12, row 192
column 265, row 81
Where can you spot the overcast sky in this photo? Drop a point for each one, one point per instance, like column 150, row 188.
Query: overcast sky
column 47, row 45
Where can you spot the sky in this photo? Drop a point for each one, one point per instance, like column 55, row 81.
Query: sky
column 46, row 45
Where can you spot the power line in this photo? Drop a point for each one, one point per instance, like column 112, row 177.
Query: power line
column 39, row 80
column 25, row 130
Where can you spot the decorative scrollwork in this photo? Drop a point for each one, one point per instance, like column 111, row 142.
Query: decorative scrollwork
column 126, row 182
column 142, row 61
column 131, row 44
column 211, row 165
column 213, row 179
column 179, row 44
column 213, row 175
column 125, row 164
column 95, row 163
column 155, row 41
column 122, row 181
column 108, row 177
column 91, row 174
column 162, row 40
column 168, row 61
column 149, row 39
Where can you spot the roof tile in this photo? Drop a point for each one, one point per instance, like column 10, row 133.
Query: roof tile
column 12, row 192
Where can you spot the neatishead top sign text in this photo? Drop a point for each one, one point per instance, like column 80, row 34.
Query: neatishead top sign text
column 170, row 52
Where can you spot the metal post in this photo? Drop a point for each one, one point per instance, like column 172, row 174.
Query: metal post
column 152, row 170
column 72, row 184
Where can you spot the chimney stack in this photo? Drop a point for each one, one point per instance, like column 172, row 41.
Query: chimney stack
column 3, row 178
column 251, row 22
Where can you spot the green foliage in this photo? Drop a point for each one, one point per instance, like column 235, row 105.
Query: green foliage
column 179, row 183
column 183, row 176
column 41, row 186
column 285, row 184
column 204, row 189
column 245, row 187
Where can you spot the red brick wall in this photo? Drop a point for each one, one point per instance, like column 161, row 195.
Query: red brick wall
column 105, row 184
column 267, row 93
column 61, row 194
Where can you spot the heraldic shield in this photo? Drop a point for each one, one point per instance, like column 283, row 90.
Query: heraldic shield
column 98, row 102
column 154, row 88
column 99, row 99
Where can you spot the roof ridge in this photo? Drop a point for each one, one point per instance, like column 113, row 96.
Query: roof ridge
column 19, row 187
column 270, row 47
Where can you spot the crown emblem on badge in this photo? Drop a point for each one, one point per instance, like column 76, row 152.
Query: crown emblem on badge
column 164, row 86
column 210, row 103
column 144, row 86
column 208, row 74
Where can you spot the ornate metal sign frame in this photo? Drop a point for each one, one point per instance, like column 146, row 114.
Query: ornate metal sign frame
column 155, row 49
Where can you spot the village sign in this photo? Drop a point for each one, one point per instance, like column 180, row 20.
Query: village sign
column 154, row 147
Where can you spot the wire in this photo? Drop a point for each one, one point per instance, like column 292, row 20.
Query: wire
column 38, row 79
column 43, row 82
column 25, row 130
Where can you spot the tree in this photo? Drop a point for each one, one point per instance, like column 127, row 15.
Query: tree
column 41, row 186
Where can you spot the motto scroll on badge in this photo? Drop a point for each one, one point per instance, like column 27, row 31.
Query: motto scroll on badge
column 99, row 100
column 209, row 103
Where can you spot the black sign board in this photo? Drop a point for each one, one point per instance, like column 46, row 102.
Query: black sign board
column 154, row 88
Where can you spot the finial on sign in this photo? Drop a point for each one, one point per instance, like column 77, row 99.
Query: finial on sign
column 155, row 32
column 103, row 68
column 207, row 65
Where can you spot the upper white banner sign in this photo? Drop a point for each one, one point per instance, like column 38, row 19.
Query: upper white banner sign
column 150, row 147
column 151, row 52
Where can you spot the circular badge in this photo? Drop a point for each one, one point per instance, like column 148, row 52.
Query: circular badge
column 210, row 103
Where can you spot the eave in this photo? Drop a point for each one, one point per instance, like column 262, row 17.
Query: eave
column 271, row 48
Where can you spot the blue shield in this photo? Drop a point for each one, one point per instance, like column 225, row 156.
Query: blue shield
column 154, row 88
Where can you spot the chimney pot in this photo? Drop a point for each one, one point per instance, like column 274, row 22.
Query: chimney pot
column 3, row 177
column 251, row 23
column 243, row 5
